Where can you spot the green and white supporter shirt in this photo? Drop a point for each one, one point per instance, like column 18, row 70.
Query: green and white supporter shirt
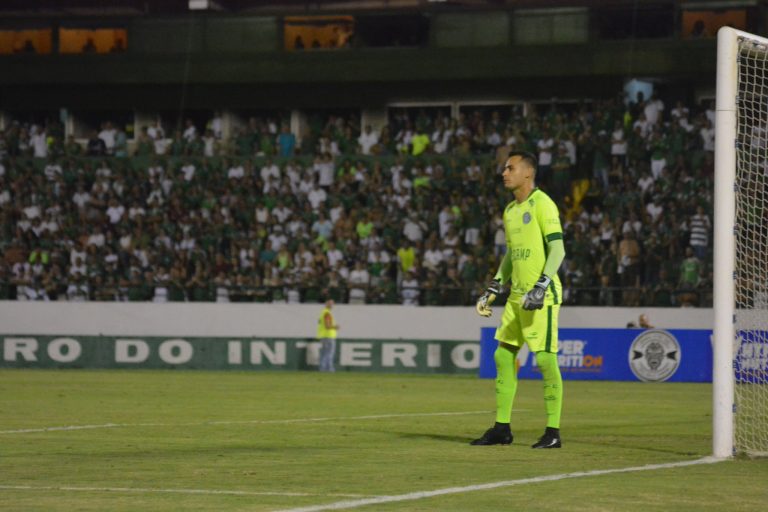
column 529, row 227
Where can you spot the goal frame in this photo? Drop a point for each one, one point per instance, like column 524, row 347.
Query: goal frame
column 723, row 337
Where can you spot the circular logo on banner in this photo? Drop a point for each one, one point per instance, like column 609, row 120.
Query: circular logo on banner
column 654, row 356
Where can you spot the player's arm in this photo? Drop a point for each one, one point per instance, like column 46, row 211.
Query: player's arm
column 555, row 256
column 328, row 322
column 505, row 269
column 503, row 275
column 534, row 299
column 549, row 221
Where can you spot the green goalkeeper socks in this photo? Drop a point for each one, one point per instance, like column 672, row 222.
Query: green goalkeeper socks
column 506, row 383
column 553, row 387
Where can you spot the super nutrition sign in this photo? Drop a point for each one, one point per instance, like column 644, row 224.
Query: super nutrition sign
column 423, row 356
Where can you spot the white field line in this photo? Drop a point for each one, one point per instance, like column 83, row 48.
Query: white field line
column 171, row 491
column 348, row 504
column 242, row 422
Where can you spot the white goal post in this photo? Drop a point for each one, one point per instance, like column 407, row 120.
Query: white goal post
column 740, row 337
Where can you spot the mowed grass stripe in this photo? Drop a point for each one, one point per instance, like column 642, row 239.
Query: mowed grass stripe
column 241, row 422
column 172, row 491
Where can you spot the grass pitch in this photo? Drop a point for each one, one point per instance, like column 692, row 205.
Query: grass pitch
column 168, row 440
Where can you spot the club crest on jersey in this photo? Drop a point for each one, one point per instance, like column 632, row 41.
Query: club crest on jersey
column 526, row 217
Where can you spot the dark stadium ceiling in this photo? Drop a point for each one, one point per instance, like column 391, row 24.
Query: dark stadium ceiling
column 77, row 8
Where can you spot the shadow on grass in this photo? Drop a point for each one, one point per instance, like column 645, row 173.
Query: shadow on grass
column 433, row 437
column 614, row 442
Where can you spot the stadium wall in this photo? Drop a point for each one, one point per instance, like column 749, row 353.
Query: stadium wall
column 594, row 343
column 299, row 320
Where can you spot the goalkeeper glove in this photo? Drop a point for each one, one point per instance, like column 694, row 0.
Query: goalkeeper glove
column 483, row 305
column 534, row 299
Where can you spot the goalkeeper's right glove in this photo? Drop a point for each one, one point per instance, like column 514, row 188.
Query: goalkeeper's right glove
column 483, row 305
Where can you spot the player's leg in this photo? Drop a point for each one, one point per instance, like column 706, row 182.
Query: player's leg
column 331, row 354
column 540, row 332
column 506, row 381
column 509, row 336
column 553, row 399
column 553, row 387
column 327, row 353
column 325, row 347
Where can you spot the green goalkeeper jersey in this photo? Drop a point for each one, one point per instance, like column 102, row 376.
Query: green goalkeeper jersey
column 529, row 227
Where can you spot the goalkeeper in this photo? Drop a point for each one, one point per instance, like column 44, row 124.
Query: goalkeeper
column 534, row 253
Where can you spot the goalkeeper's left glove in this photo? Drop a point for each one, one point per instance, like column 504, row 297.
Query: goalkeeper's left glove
column 483, row 305
column 534, row 299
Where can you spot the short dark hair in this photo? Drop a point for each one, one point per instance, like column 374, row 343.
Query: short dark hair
column 527, row 157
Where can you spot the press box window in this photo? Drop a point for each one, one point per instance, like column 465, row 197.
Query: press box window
column 25, row 41
column 100, row 40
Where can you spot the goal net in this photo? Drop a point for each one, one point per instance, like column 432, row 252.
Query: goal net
column 745, row 165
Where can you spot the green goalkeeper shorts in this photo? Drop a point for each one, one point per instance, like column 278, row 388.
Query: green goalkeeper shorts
column 537, row 328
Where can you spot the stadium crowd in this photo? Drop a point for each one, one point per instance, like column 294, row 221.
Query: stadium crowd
column 408, row 214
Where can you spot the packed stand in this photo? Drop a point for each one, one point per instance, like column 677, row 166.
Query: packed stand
column 409, row 214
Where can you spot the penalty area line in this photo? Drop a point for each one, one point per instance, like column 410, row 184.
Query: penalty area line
column 349, row 504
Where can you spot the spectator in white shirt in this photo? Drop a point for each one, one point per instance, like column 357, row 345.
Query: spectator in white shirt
column 358, row 281
column 235, row 171
column 324, row 169
column 216, row 124
column 334, row 255
column 39, row 142
column 78, row 289
column 409, row 289
column 50, row 225
column 654, row 209
column 618, row 143
column 680, row 111
column 546, row 146
column 269, row 170
column 445, row 220
column 367, row 140
column 307, row 184
column 653, row 109
column 190, row 131
column 108, row 134
column 188, row 243
column 433, row 256
column 81, row 198
column 707, row 134
column 376, row 254
column 115, row 211
column 156, row 131
column 317, row 197
column 494, row 138
column 155, row 195
column 97, row 237
column 277, row 237
column 52, row 170
column 643, row 124
column 281, row 212
column 645, row 182
column 161, row 280
column 78, row 267
column 188, row 170
column 413, row 228
column 136, row 210
column 222, row 283
column 710, row 113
